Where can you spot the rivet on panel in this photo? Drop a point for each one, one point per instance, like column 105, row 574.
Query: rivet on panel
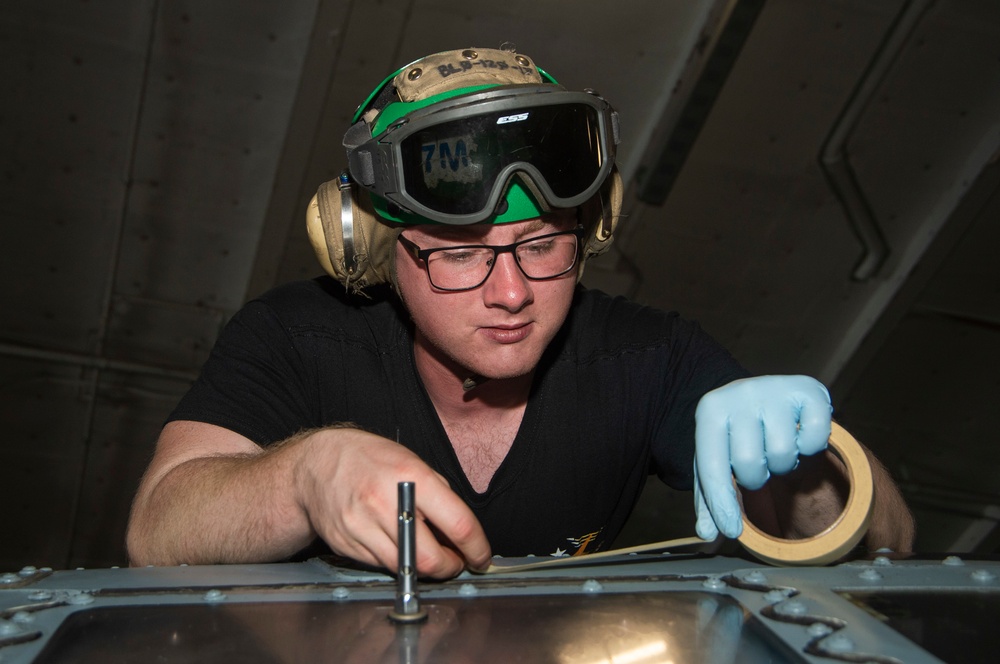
column 838, row 643
column 792, row 607
column 469, row 54
column 9, row 578
column 28, row 570
column 953, row 561
column 40, row 596
column 774, row 596
column 523, row 61
column 755, row 577
column 340, row 592
column 882, row 561
column 870, row 575
column 714, row 583
column 467, row 590
column 819, row 629
column 414, row 73
column 8, row 628
column 984, row 576
column 592, row 586
column 22, row 618
column 214, row 596
column 80, row 599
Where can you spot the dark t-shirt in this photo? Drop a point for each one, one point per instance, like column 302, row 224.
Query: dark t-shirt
column 613, row 400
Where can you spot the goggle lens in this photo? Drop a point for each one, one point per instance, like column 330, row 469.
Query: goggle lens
column 455, row 166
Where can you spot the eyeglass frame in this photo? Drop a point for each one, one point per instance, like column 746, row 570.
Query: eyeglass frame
column 422, row 254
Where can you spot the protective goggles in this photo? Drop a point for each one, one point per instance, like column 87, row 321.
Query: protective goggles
column 452, row 162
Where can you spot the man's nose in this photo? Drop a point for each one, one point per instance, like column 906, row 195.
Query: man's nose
column 507, row 286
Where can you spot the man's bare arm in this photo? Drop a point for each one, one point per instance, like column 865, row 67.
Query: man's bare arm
column 892, row 525
column 212, row 496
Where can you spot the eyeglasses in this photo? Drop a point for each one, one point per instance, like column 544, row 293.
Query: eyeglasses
column 468, row 266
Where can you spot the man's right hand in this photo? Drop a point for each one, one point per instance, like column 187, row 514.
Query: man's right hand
column 213, row 496
column 347, row 483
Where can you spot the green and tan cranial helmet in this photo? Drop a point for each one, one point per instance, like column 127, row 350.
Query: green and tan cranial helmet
column 465, row 137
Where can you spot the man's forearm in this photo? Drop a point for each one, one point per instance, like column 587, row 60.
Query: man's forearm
column 221, row 509
column 892, row 524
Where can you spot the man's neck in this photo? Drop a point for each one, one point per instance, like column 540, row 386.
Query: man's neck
column 481, row 422
column 458, row 394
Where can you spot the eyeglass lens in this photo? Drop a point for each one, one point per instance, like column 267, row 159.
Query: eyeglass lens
column 463, row 268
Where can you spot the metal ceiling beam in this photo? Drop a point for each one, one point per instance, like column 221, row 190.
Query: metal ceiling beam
column 834, row 159
column 700, row 85
column 285, row 205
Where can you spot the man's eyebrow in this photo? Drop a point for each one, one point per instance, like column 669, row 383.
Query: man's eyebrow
column 533, row 227
column 465, row 234
column 552, row 219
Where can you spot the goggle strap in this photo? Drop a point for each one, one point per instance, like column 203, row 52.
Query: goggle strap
column 357, row 135
column 359, row 162
column 385, row 97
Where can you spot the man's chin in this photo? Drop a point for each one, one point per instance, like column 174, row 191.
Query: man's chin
column 485, row 375
column 501, row 370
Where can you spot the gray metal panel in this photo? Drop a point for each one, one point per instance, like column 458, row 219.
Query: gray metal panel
column 938, row 109
column 72, row 71
column 968, row 284
column 928, row 402
column 296, row 612
column 751, row 242
column 44, row 408
column 219, row 93
column 184, row 334
column 129, row 412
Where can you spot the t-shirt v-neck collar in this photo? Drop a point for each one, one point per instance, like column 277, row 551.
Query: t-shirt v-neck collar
column 445, row 460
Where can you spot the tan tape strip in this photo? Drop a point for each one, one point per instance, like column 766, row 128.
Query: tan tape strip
column 825, row 547
column 500, row 565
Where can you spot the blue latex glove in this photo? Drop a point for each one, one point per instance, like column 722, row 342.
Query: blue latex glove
column 751, row 428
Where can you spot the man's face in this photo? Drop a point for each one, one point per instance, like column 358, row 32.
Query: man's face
column 498, row 329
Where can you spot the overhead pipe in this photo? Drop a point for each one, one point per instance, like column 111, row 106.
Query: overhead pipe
column 834, row 159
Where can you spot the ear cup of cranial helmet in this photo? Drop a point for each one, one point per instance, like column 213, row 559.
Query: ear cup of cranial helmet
column 352, row 243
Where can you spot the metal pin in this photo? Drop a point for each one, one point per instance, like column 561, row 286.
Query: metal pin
column 407, row 607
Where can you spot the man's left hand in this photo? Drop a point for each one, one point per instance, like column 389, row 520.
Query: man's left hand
column 751, row 428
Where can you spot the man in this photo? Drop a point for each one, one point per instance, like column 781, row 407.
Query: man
column 459, row 353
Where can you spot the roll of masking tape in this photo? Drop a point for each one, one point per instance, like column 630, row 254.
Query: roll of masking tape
column 840, row 536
